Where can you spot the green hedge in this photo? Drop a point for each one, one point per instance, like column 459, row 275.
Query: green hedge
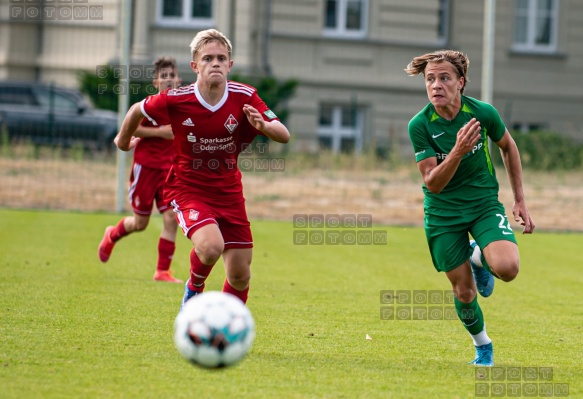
column 544, row 150
column 103, row 90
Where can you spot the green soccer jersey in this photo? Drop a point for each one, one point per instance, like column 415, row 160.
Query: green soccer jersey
column 475, row 179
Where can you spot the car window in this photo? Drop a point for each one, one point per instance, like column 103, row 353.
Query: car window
column 16, row 96
column 61, row 102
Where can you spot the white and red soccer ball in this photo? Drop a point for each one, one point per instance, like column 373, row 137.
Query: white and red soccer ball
column 214, row 329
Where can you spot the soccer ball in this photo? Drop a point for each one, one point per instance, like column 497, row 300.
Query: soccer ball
column 214, row 329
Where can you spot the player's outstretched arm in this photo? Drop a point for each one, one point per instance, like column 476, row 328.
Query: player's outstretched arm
column 164, row 132
column 511, row 158
column 124, row 139
column 275, row 130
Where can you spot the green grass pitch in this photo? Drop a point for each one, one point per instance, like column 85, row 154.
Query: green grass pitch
column 71, row 327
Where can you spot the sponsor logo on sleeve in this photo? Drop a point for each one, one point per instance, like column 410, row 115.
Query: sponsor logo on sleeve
column 270, row 114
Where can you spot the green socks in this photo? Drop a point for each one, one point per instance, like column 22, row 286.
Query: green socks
column 471, row 315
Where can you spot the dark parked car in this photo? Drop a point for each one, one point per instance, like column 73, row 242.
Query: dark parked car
column 55, row 116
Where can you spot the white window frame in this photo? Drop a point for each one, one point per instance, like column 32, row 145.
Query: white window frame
column 340, row 31
column 337, row 132
column 531, row 19
column 185, row 21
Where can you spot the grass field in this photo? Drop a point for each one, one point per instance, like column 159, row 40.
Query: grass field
column 71, row 327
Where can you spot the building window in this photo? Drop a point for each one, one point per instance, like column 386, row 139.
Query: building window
column 340, row 128
column 191, row 13
column 526, row 127
column 345, row 18
column 535, row 25
column 443, row 20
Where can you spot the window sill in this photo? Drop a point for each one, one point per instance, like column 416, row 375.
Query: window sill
column 330, row 34
column 537, row 53
column 183, row 25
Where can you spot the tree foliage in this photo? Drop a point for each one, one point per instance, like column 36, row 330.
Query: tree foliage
column 273, row 92
column 545, row 150
column 104, row 90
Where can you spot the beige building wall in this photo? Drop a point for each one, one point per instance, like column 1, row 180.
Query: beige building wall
column 153, row 39
column 365, row 72
column 528, row 87
column 55, row 48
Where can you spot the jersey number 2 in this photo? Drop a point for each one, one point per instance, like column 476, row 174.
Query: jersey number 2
column 504, row 224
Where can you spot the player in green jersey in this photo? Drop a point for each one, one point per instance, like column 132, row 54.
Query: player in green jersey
column 450, row 140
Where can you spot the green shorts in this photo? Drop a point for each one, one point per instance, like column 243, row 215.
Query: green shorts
column 448, row 239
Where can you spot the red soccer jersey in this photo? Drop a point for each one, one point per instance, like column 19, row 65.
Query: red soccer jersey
column 154, row 152
column 207, row 139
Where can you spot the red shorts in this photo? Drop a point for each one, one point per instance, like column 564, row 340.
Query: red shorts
column 146, row 185
column 192, row 214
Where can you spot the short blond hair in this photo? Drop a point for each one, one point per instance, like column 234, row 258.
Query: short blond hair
column 204, row 37
column 459, row 60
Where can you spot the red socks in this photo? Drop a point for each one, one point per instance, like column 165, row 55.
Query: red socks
column 198, row 272
column 118, row 231
column 165, row 253
column 242, row 295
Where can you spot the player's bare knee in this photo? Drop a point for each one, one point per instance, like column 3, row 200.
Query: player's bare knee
column 465, row 294
column 140, row 225
column 508, row 271
column 209, row 254
column 239, row 281
column 209, row 258
column 171, row 225
column 169, row 221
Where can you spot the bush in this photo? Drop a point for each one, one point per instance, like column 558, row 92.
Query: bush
column 104, row 91
column 543, row 150
column 273, row 92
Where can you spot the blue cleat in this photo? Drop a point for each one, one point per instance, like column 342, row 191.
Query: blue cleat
column 484, row 356
column 484, row 279
column 188, row 293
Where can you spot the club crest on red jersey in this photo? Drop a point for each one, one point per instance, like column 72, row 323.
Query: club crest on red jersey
column 193, row 215
column 231, row 123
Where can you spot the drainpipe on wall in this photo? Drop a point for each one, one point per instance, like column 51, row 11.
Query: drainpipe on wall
column 266, row 37
column 125, row 29
column 40, row 33
column 232, row 13
column 488, row 54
